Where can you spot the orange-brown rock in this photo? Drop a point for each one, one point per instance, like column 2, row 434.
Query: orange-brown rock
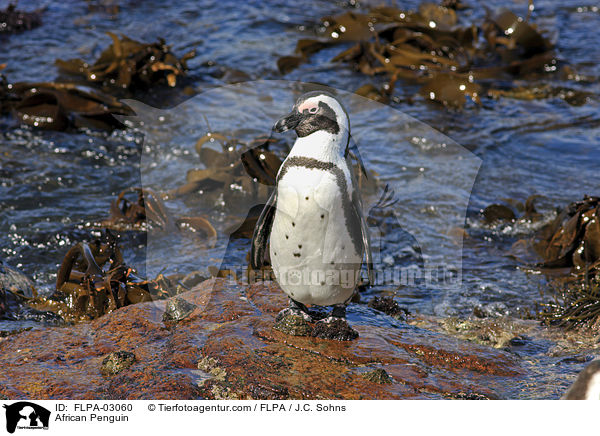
column 227, row 348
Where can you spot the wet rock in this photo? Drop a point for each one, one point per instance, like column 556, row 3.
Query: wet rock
column 518, row 341
column 177, row 309
column 389, row 306
column 210, row 365
column 15, row 289
column 116, row 362
column 469, row 396
column 491, row 310
column 293, row 325
column 6, row 333
column 338, row 330
column 16, row 282
column 227, row 348
column 378, row 376
column 576, row 359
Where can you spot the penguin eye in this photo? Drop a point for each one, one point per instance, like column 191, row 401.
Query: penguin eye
column 313, row 110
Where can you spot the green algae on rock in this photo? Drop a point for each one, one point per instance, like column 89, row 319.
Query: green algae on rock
column 378, row 376
column 116, row 362
column 177, row 309
column 293, row 325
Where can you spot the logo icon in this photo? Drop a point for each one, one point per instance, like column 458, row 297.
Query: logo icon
column 26, row 415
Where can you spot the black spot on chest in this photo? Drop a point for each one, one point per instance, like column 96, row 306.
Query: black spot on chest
column 352, row 220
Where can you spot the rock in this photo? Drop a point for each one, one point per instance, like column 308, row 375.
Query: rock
column 177, row 309
column 15, row 288
column 293, row 325
column 468, row 396
column 338, row 330
column 15, row 282
column 491, row 310
column 378, row 376
column 518, row 341
column 116, row 362
column 389, row 306
column 227, row 348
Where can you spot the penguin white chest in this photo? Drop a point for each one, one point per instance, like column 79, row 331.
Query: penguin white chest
column 312, row 252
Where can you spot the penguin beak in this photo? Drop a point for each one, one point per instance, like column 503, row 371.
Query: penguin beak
column 288, row 122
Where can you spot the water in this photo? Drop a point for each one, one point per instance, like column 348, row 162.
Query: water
column 54, row 185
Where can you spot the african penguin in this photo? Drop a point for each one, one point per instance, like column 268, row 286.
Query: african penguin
column 314, row 220
column 587, row 385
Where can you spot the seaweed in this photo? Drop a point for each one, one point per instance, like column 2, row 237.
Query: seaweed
column 93, row 280
column 576, row 304
column 453, row 60
column 148, row 211
column 15, row 21
column 128, row 64
column 571, row 243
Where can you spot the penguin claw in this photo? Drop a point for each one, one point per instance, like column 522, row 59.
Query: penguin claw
column 331, row 319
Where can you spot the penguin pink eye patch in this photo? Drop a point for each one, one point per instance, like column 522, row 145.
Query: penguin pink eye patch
column 310, row 106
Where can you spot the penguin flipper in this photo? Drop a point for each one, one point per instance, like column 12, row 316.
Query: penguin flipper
column 357, row 205
column 262, row 231
column 364, row 230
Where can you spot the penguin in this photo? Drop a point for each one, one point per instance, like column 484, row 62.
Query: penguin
column 587, row 385
column 313, row 220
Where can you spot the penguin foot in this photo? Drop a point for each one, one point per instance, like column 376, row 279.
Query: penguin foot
column 295, row 308
column 338, row 314
column 291, row 311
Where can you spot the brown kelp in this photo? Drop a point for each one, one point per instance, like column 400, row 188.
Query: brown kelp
column 227, row 174
column 58, row 106
column 571, row 243
column 129, row 64
column 14, row 21
column 93, row 280
column 148, row 211
column 572, row 239
column 439, row 48
column 576, row 303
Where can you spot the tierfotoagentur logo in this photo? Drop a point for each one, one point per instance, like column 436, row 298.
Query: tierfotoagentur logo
column 25, row 415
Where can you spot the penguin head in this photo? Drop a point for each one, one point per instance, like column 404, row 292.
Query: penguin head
column 316, row 111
